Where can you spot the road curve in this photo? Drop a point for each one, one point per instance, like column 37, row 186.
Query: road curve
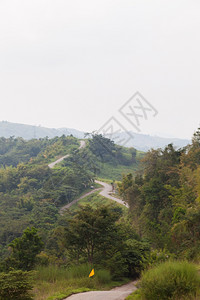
column 76, row 200
column 52, row 165
column 118, row 293
column 107, row 190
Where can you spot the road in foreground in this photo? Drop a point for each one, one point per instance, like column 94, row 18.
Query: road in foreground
column 118, row 293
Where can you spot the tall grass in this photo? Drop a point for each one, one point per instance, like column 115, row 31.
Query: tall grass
column 171, row 280
column 52, row 282
column 54, row 273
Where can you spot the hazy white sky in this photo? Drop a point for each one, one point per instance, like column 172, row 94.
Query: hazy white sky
column 74, row 63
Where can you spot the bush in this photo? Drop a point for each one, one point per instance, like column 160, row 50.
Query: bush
column 170, row 280
column 156, row 257
column 25, row 250
column 135, row 254
column 15, row 285
column 135, row 295
column 117, row 266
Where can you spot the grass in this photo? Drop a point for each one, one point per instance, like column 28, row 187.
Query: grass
column 114, row 172
column 75, row 206
column 53, row 283
column 104, row 180
column 171, row 280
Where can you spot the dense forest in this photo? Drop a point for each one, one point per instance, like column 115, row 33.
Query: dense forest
column 31, row 193
column 164, row 201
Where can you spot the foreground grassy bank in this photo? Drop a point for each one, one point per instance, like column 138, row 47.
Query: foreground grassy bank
column 53, row 283
column 172, row 280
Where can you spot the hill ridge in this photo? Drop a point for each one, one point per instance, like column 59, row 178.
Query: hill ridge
column 142, row 142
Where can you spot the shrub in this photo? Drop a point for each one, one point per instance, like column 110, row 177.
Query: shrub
column 136, row 254
column 170, row 280
column 117, row 266
column 156, row 257
column 135, row 295
column 25, row 250
column 15, row 285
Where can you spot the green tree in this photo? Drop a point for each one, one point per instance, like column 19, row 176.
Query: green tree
column 25, row 250
column 102, row 147
column 16, row 285
column 91, row 230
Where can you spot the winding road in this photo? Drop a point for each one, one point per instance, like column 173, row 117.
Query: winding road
column 52, row 165
column 76, row 200
column 106, row 190
column 118, row 293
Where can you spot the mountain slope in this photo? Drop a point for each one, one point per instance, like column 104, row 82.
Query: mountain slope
column 28, row 132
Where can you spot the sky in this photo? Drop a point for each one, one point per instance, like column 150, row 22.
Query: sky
column 75, row 63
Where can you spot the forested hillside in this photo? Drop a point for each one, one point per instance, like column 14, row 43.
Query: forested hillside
column 31, row 193
column 17, row 150
column 165, row 201
column 161, row 188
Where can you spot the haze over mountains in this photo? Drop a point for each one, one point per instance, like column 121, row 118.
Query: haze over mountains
column 141, row 142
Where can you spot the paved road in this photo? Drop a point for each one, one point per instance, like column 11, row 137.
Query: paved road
column 107, row 190
column 76, row 200
column 52, row 165
column 118, row 293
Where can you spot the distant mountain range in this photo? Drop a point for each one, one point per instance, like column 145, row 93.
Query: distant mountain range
column 141, row 142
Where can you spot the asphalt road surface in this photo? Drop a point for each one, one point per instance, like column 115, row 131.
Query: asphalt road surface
column 52, row 165
column 107, row 190
column 118, row 293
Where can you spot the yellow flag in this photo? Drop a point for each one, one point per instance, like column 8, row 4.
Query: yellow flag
column 91, row 273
